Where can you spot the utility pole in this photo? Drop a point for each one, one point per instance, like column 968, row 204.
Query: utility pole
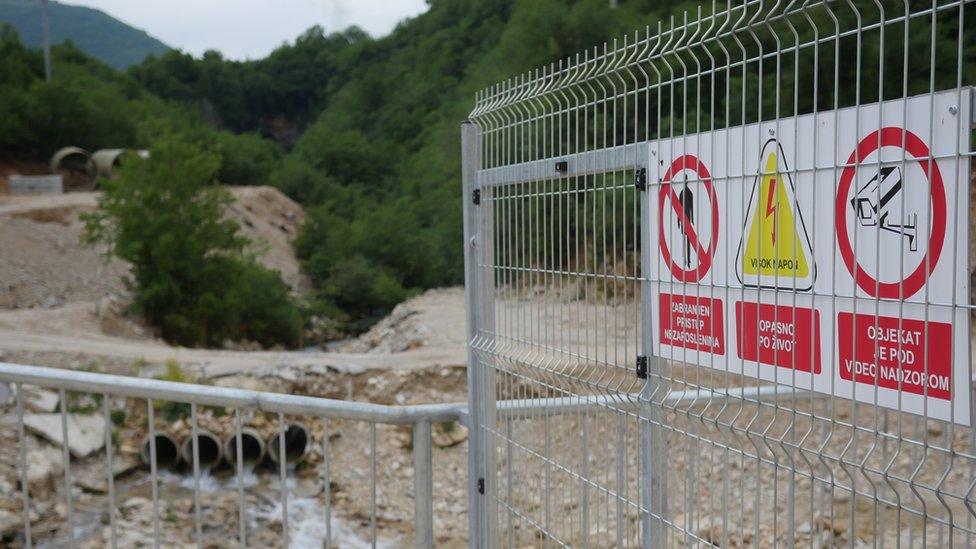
column 46, row 22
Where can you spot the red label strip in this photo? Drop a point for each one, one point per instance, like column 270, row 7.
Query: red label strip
column 890, row 352
column 779, row 335
column 692, row 323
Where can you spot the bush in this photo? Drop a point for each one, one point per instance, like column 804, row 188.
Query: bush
column 247, row 159
column 262, row 307
column 363, row 290
column 191, row 276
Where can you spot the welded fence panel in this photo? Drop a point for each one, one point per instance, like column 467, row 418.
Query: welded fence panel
column 724, row 264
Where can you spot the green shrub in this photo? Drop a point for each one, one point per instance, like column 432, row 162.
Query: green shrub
column 246, row 159
column 172, row 411
column 191, row 276
column 117, row 417
column 173, row 372
column 362, row 289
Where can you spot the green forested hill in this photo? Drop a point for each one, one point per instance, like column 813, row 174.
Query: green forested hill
column 94, row 32
column 378, row 161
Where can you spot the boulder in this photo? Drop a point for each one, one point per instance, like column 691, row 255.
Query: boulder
column 86, row 433
column 446, row 435
column 41, row 400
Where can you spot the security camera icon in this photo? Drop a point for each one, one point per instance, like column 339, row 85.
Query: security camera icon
column 873, row 205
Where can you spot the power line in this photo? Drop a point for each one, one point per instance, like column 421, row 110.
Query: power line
column 46, row 24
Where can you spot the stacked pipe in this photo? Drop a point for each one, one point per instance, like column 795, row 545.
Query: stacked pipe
column 296, row 444
column 213, row 451
column 250, row 445
column 208, row 449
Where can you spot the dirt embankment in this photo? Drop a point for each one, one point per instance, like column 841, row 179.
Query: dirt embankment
column 435, row 318
column 45, row 265
column 271, row 221
column 58, row 294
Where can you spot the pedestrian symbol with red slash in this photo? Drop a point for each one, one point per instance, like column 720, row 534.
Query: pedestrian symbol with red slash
column 688, row 219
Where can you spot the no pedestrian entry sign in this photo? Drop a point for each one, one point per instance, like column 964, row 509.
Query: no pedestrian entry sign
column 691, row 259
column 823, row 252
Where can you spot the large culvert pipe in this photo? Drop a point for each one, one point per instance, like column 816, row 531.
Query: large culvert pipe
column 297, row 443
column 208, row 446
column 76, row 167
column 167, row 451
column 252, row 448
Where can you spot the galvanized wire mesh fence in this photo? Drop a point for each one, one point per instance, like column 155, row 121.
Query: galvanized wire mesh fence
column 733, row 253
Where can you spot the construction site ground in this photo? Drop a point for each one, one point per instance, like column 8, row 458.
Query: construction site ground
column 63, row 305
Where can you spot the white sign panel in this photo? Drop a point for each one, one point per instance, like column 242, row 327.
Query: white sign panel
column 827, row 253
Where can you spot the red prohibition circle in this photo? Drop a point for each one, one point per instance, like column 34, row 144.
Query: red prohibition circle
column 688, row 162
column 913, row 144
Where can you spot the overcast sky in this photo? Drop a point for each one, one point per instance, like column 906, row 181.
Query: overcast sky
column 250, row 29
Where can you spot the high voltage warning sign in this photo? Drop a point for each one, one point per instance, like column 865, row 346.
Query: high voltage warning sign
column 775, row 250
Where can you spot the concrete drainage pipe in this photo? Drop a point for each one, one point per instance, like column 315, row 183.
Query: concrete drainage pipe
column 252, row 448
column 167, row 451
column 209, row 448
column 297, row 443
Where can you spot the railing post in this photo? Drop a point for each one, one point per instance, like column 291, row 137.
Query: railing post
column 470, row 150
column 423, row 486
column 654, row 445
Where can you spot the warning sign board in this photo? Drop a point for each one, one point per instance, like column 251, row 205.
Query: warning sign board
column 774, row 251
column 825, row 252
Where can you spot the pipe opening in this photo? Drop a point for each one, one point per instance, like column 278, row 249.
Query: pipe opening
column 252, row 448
column 76, row 168
column 208, row 447
column 296, row 444
column 167, row 452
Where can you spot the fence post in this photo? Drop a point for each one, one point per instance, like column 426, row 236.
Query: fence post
column 423, row 486
column 472, row 221
column 654, row 448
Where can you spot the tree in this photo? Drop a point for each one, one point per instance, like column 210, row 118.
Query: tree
column 247, row 158
column 190, row 274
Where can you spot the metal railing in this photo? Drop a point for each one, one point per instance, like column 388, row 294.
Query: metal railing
column 611, row 205
column 152, row 392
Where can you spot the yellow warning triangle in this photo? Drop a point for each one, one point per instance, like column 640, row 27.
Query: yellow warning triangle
column 775, row 250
